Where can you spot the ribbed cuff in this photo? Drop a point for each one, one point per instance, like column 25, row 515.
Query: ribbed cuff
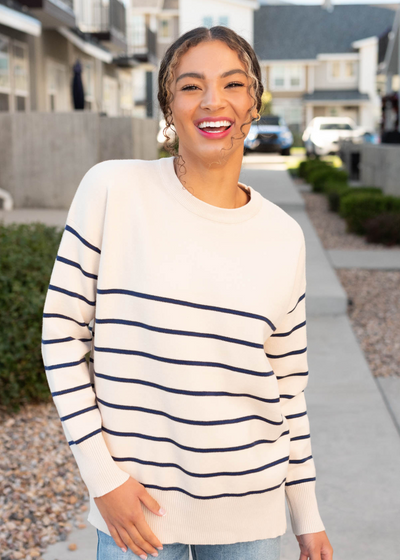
column 99, row 471
column 303, row 508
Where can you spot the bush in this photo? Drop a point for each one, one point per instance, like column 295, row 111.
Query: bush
column 384, row 229
column 337, row 191
column 321, row 177
column 306, row 166
column 27, row 254
column 356, row 209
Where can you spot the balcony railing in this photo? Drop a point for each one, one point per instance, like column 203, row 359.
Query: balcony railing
column 105, row 17
column 148, row 50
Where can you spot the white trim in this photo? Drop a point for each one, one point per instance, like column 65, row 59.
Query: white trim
column 311, row 79
column 338, row 56
column 85, row 46
column 22, row 22
column 364, row 42
column 310, row 61
column 347, row 102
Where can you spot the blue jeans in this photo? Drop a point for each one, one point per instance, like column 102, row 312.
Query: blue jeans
column 265, row 549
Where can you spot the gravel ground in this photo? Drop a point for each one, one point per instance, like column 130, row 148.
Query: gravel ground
column 375, row 294
column 42, row 495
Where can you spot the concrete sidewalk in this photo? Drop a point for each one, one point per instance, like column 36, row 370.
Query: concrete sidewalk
column 355, row 438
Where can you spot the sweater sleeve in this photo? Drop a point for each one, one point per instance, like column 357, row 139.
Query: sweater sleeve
column 68, row 313
column 286, row 350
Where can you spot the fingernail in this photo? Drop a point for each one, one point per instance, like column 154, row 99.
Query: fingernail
column 160, row 547
column 123, row 549
column 154, row 553
column 162, row 511
column 143, row 556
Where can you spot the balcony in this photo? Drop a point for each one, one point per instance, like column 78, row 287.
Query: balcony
column 146, row 52
column 52, row 13
column 106, row 21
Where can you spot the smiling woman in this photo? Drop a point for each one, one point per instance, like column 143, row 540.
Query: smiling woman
column 188, row 291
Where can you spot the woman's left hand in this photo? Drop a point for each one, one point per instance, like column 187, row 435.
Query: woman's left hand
column 315, row 546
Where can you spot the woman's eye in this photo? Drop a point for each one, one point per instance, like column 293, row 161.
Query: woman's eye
column 189, row 88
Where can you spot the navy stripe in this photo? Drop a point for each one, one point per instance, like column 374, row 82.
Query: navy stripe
column 76, row 265
column 296, row 415
column 58, row 316
column 300, row 481
column 201, row 475
column 67, row 339
column 181, row 391
column 214, row 496
column 72, row 390
column 71, row 294
column 68, row 364
column 293, row 353
column 78, row 413
column 300, row 437
column 188, row 421
column 78, row 441
column 187, row 303
column 292, row 374
column 290, row 332
column 298, row 301
column 173, row 331
column 298, row 461
column 287, row 396
column 194, row 449
column 182, row 362
column 74, row 232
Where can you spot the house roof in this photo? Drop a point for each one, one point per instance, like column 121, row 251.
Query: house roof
column 336, row 95
column 302, row 32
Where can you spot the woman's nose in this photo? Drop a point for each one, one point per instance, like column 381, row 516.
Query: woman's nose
column 213, row 98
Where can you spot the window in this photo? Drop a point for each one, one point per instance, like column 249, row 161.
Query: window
column 5, row 81
column 165, row 31
column 138, row 31
column 341, row 70
column 287, row 76
column 223, row 20
column 20, row 72
column 207, row 21
column 58, row 91
column 88, row 83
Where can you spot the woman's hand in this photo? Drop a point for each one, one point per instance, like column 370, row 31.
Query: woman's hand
column 122, row 511
column 315, row 546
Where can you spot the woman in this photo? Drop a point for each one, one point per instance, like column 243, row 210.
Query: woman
column 193, row 399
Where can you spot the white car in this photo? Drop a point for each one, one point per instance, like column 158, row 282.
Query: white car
column 321, row 137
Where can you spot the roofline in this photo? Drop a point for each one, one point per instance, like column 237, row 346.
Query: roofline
column 337, row 102
column 86, row 46
column 364, row 42
column 311, row 61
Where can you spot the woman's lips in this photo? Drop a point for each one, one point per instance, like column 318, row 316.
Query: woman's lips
column 216, row 135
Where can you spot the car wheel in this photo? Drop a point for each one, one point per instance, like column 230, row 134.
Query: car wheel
column 285, row 152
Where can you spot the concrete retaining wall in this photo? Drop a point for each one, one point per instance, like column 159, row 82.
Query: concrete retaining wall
column 43, row 156
column 380, row 167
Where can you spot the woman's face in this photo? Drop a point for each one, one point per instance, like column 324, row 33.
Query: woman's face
column 210, row 86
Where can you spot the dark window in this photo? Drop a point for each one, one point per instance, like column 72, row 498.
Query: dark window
column 270, row 119
column 21, row 103
column 335, row 126
column 4, row 102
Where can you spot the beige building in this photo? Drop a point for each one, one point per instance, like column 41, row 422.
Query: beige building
column 40, row 42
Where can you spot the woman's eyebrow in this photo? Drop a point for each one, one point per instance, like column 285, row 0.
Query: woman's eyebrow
column 202, row 76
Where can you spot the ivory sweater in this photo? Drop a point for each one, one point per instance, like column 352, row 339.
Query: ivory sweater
column 194, row 317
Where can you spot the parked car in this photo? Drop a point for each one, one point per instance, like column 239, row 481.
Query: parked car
column 321, row 137
column 271, row 134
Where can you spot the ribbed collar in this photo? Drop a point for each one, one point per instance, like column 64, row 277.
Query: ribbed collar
column 208, row 211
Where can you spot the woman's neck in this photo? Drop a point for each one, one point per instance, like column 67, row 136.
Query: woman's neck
column 217, row 185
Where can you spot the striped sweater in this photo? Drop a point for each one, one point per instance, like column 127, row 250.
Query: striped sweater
column 174, row 344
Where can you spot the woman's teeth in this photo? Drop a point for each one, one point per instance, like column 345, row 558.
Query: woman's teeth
column 214, row 127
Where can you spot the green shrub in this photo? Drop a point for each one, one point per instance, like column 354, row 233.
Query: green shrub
column 27, row 254
column 306, row 166
column 356, row 209
column 320, row 177
column 336, row 191
column 384, row 229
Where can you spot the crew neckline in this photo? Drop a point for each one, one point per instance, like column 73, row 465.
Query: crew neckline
column 204, row 209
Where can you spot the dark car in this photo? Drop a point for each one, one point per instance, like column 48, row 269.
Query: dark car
column 269, row 134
